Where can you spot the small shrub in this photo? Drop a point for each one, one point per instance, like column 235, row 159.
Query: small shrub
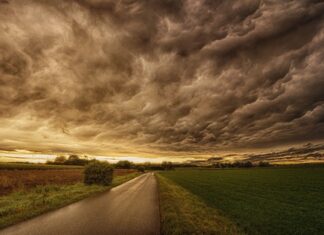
column 98, row 173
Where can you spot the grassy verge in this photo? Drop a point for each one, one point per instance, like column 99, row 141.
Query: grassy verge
column 122, row 179
column 273, row 201
column 19, row 206
column 184, row 213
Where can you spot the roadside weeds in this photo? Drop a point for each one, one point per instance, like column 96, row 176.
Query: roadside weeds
column 184, row 213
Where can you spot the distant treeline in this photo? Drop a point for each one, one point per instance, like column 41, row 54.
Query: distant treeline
column 71, row 160
column 124, row 164
column 75, row 160
column 241, row 164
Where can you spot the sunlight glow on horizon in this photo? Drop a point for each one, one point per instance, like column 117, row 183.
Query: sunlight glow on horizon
column 42, row 158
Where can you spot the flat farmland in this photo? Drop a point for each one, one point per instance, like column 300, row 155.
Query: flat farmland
column 260, row 201
column 13, row 179
column 27, row 190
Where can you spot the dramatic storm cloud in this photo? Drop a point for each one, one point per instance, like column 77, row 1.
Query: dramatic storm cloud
column 160, row 77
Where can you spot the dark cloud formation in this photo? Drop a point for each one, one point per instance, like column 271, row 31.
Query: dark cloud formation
column 307, row 152
column 160, row 77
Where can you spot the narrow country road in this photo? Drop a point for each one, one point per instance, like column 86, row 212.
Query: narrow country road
column 131, row 208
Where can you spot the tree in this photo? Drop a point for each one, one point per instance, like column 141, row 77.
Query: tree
column 76, row 160
column 141, row 169
column 264, row 164
column 60, row 160
column 167, row 165
column 248, row 164
column 73, row 157
column 124, row 164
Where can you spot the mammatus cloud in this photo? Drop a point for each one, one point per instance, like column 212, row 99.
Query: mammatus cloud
column 298, row 154
column 307, row 152
column 160, row 77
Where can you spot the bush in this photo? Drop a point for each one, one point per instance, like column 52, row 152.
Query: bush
column 98, row 173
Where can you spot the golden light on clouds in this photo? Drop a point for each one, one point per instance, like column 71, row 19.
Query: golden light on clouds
column 162, row 79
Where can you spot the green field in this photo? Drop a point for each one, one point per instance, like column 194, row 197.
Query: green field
column 261, row 201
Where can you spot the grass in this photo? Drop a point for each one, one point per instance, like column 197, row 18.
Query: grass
column 21, row 205
column 260, row 201
column 183, row 213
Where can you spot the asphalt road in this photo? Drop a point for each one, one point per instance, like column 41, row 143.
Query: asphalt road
column 131, row 208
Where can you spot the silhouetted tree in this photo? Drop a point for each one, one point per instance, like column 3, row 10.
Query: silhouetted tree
column 124, row 164
column 76, row 160
column 60, row 160
column 141, row 169
column 264, row 164
column 167, row 165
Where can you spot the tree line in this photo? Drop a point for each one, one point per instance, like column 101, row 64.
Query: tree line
column 241, row 164
column 166, row 165
column 123, row 164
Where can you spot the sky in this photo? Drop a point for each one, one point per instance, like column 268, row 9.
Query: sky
column 162, row 79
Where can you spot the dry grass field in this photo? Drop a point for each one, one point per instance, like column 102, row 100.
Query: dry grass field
column 17, row 180
column 27, row 190
column 11, row 180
